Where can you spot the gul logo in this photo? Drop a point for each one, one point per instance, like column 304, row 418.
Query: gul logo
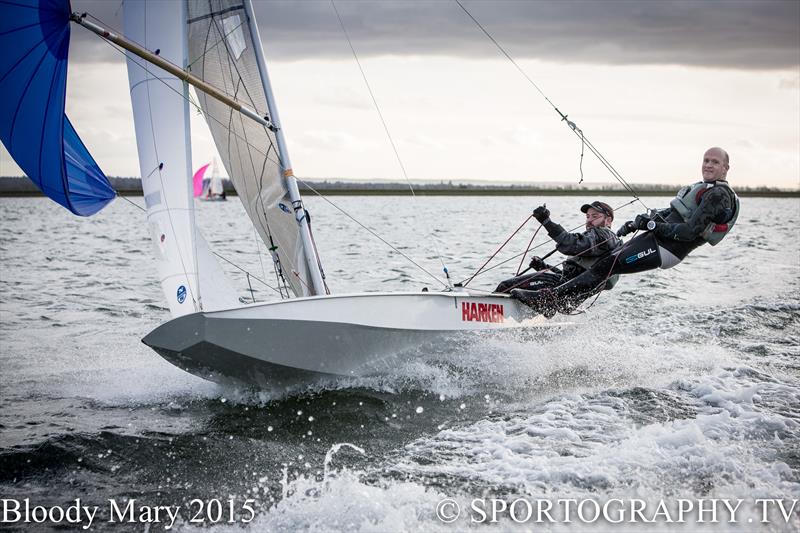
column 640, row 255
column 474, row 312
column 181, row 294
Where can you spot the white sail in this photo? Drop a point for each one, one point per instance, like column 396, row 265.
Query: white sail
column 215, row 181
column 161, row 118
column 222, row 53
column 215, row 186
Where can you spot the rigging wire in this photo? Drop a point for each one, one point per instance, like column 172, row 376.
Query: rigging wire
column 498, row 250
column 373, row 233
column 149, row 76
column 501, row 263
column 223, row 37
column 388, row 133
column 528, row 249
column 246, row 272
column 134, row 204
column 233, row 67
column 250, row 146
column 142, row 209
column 577, row 131
column 556, row 266
column 261, row 260
column 197, row 299
column 145, row 66
column 141, row 62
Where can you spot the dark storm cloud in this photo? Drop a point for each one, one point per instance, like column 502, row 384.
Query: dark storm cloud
column 738, row 34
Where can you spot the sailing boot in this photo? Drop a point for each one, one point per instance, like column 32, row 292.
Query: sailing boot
column 543, row 301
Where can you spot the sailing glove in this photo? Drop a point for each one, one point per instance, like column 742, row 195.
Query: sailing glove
column 537, row 263
column 628, row 227
column 642, row 221
column 541, row 213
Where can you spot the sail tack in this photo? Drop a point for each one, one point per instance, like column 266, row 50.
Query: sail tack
column 222, row 53
column 34, row 39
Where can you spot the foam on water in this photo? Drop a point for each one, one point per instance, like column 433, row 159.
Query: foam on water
column 682, row 382
column 717, row 442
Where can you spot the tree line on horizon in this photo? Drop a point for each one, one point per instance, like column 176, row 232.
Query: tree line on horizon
column 17, row 184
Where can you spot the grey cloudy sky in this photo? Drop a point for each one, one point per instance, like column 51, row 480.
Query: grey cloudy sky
column 759, row 34
column 651, row 83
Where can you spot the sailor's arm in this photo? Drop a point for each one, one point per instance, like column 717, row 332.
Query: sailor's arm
column 589, row 243
column 662, row 214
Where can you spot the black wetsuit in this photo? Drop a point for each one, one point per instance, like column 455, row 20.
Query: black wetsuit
column 665, row 246
column 582, row 247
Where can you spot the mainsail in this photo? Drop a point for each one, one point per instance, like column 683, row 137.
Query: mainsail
column 222, row 53
column 34, row 38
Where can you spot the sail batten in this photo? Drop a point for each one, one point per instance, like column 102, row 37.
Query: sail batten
column 217, row 13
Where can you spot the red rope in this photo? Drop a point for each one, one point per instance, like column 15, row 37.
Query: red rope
column 576, row 310
column 498, row 250
column 528, row 249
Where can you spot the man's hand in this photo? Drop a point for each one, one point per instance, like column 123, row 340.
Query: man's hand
column 641, row 222
column 628, row 227
column 541, row 214
column 537, row 263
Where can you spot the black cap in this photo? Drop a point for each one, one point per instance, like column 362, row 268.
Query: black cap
column 603, row 207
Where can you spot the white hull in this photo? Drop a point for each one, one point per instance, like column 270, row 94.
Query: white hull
column 294, row 341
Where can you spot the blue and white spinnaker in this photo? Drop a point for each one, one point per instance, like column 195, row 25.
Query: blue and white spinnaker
column 34, row 38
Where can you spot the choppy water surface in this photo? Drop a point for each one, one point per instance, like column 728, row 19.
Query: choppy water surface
column 678, row 384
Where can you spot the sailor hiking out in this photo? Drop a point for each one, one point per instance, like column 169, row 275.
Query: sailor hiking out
column 700, row 213
column 584, row 249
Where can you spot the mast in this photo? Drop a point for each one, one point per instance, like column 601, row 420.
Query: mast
column 291, row 182
column 271, row 122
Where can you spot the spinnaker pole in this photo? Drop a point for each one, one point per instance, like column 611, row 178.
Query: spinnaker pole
column 312, row 260
column 271, row 122
column 170, row 67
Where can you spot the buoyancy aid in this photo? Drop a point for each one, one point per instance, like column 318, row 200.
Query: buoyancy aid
column 688, row 199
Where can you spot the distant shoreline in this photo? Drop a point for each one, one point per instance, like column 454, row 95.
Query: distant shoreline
column 20, row 187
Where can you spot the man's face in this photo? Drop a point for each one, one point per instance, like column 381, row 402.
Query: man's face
column 714, row 167
column 596, row 219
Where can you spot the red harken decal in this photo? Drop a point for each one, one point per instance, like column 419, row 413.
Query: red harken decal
column 474, row 312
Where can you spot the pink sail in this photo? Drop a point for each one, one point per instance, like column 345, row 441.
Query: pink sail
column 197, row 179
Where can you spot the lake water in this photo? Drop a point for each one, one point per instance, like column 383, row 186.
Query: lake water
column 678, row 384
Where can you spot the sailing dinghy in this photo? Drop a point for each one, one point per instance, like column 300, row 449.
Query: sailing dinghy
column 309, row 332
column 208, row 189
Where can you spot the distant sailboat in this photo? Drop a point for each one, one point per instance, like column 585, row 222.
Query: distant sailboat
column 197, row 180
column 308, row 334
column 209, row 189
